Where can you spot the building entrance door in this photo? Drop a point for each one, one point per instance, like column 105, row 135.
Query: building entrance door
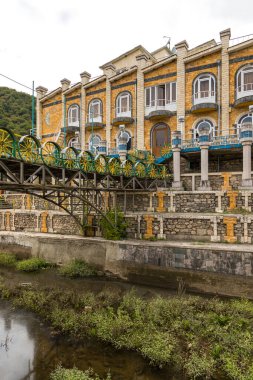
column 160, row 138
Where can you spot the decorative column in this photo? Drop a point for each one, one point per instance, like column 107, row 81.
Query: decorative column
column 246, row 139
column 122, row 141
column 225, row 36
column 141, row 63
column 85, row 78
column 204, row 142
column 109, row 71
column 41, row 91
column 182, row 51
column 176, row 148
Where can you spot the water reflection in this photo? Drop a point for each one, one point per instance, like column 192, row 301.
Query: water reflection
column 29, row 352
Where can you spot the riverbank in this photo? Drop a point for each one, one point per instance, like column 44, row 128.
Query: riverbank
column 209, row 268
column 196, row 337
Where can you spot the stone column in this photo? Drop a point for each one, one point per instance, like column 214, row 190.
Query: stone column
column 182, row 49
column 204, row 142
column 141, row 62
column 109, row 71
column 225, row 36
column 176, row 148
column 41, row 91
column 65, row 83
column 85, row 78
column 246, row 139
column 122, row 141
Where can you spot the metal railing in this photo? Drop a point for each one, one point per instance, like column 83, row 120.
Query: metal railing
column 95, row 118
column 214, row 141
column 161, row 104
column 244, row 90
column 203, row 96
column 73, row 122
column 123, row 112
column 239, row 40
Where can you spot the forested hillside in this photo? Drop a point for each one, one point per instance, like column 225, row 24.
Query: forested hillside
column 15, row 110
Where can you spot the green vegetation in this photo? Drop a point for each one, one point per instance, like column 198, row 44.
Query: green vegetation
column 15, row 110
column 7, row 260
column 74, row 374
column 201, row 338
column 116, row 230
column 32, row 265
column 77, row 268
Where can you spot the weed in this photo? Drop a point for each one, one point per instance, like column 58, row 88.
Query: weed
column 77, row 268
column 7, row 260
column 32, row 265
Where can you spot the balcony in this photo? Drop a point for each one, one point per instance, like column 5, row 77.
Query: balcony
column 244, row 95
column 95, row 122
column 73, row 125
column 217, row 142
column 160, row 108
column 204, row 101
column 123, row 116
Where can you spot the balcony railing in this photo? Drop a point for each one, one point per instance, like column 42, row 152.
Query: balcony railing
column 244, row 90
column 214, row 141
column 123, row 112
column 160, row 105
column 95, row 118
column 73, row 122
column 204, row 97
column 239, row 40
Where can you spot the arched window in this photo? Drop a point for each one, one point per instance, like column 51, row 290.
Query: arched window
column 73, row 116
column 95, row 111
column 123, row 104
column 244, row 81
column 94, row 143
column 204, row 89
column 129, row 139
column 203, row 123
column 247, row 118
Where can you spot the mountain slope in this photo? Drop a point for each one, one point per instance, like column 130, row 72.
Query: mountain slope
column 15, row 110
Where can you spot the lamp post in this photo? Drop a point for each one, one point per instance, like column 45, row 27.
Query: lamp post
column 204, row 142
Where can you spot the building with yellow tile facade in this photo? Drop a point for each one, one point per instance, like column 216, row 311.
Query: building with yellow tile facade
column 155, row 94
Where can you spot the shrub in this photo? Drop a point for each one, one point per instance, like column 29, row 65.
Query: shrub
column 113, row 226
column 77, row 268
column 74, row 374
column 32, row 265
column 7, row 260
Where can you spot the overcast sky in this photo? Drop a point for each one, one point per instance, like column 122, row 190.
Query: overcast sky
column 48, row 40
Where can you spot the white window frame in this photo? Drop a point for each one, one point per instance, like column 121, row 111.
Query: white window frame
column 120, row 111
column 241, row 120
column 204, row 96
column 99, row 116
column 74, row 142
column 153, row 103
column 128, row 134
column 73, row 121
column 94, row 146
column 196, row 128
column 243, row 89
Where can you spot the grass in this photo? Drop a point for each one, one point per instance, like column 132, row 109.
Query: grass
column 7, row 260
column 199, row 338
column 77, row 268
column 32, row 265
column 74, row 374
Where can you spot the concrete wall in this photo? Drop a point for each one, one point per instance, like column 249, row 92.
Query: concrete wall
column 211, row 268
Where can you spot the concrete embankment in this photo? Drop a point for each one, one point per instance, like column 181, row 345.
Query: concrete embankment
column 215, row 268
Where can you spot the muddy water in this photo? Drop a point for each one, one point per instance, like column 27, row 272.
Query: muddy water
column 30, row 351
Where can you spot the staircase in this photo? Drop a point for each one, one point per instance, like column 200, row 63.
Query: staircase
column 60, row 139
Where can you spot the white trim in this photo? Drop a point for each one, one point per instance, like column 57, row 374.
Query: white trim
column 244, row 89
column 99, row 116
column 208, row 96
column 122, row 111
column 153, row 103
column 73, row 121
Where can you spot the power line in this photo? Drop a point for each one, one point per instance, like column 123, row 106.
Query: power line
column 16, row 82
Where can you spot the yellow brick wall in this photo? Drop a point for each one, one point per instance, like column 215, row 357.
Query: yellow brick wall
column 55, row 114
column 169, row 68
